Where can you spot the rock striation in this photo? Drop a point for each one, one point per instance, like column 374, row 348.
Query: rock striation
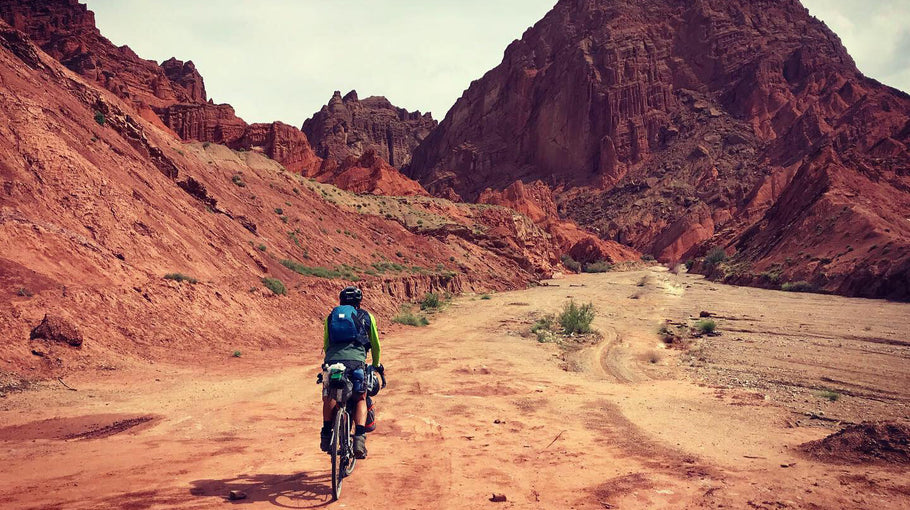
column 348, row 126
column 674, row 127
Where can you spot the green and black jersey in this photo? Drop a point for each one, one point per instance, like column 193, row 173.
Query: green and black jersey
column 353, row 351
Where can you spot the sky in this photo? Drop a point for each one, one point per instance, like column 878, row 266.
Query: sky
column 282, row 59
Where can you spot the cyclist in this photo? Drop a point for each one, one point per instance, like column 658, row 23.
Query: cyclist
column 350, row 332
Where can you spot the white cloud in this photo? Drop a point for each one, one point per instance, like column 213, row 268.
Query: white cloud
column 282, row 59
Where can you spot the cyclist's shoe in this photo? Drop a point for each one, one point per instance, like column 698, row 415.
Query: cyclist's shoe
column 360, row 447
column 325, row 440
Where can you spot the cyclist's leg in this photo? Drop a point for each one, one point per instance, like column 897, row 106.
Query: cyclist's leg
column 328, row 408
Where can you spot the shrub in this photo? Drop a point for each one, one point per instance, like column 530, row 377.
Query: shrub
column 798, row 287
column 486, row 297
column 237, row 354
column 279, row 211
column 408, row 318
column 99, row 118
column 570, row 263
column 689, row 264
column 715, row 256
column 648, row 258
column 576, row 318
column 600, row 266
column 275, row 285
column 179, row 277
column 706, row 326
column 430, row 301
column 23, row 292
column 238, row 181
column 831, row 395
column 261, row 247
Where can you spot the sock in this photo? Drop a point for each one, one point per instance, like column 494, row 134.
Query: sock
column 326, row 426
column 359, row 430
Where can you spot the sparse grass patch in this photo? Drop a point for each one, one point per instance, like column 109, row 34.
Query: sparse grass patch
column 654, row 357
column 180, row 277
column 600, row 266
column 407, row 317
column 346, row 272
column 570, row 263
column 798, row 287
column 830, row 395
column 434, row 300
column 275, row 285
column 577, row 319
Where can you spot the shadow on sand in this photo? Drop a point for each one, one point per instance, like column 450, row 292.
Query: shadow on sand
column 303, row 490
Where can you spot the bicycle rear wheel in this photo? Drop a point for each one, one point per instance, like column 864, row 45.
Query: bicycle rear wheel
column 339, row 438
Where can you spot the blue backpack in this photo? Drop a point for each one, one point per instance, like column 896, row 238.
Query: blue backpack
column 345, row 325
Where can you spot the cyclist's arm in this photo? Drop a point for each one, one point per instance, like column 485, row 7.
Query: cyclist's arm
column 375, row 347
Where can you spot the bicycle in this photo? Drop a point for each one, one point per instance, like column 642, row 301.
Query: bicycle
column 340, row 389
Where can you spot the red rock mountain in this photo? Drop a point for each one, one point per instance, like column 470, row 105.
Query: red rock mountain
column 173, row 92
column 674, row 127
column 348, row 126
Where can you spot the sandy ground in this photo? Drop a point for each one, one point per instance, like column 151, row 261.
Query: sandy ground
column 476, row 405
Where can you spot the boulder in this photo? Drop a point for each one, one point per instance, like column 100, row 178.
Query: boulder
column 55, row 328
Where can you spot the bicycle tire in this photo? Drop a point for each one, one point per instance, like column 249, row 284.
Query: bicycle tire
column 337, row 469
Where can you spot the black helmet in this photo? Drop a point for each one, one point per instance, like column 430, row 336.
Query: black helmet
column 351, row 296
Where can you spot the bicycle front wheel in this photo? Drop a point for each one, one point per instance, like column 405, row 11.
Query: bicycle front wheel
column 339, row 435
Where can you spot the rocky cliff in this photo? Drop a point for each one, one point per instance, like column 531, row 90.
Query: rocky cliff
column 173, row 92
column 674, row 127
column 348, row 126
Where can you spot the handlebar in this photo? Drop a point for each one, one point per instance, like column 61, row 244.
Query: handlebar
column 380, row 369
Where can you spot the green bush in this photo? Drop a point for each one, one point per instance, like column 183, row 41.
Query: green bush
column 408, row 318
column 689, row 264
column 179, row 277
column 715, row 256
column 279, row 211
column 261, row 247
column 237, row 354
column 431, row 301
column 99, row 118
column 706, row 326
column 600, row 266
column 570, row 263
column 576, row 318
column 831, row 395
column 486, row 297
column 238, row 181
column 798, row 287
column 345, row 272
column 275, row 285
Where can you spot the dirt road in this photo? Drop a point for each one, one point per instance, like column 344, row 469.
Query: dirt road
column 476, row 406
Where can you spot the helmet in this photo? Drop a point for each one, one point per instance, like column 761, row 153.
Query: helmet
column 351, row 296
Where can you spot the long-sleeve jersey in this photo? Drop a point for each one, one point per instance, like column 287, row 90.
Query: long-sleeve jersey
column 353, row 351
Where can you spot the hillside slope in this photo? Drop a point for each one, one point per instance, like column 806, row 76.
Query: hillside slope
column 98, row 205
